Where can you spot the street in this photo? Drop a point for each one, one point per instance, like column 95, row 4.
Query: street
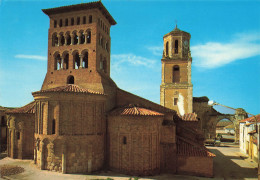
column 229, row 163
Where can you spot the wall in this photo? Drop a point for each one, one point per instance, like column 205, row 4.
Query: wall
column 134, row 144
column 199, row 166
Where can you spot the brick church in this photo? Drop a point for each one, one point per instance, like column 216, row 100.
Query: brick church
column 81, row 122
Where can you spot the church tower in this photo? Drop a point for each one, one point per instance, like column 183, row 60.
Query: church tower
column 79, row 46
column 176, row 87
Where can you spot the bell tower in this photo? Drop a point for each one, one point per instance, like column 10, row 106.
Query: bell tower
column 79, row 46
column 176, row 86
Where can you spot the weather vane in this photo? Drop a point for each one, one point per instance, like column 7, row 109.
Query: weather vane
column 176, row 23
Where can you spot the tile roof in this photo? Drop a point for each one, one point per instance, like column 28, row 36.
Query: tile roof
column 230, row 126
column 70, row 88
column 82, row 6
column 251, row 119
column 184, row 148
column 252, row 132
column 132, row 110
column 223, row 123
column 27, row 109
column 190, row 117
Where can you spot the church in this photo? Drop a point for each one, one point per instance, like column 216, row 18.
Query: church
column 80, row 121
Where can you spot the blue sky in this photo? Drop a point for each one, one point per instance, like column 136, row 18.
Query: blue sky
column 225, row 46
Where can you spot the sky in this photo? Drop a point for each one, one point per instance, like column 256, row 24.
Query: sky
column 225, row 47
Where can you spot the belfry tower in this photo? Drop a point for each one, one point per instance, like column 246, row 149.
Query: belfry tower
column 176, row 87
column 78, row 46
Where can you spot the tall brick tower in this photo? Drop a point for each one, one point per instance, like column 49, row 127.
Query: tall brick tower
column 79, row 46
column 176, row 87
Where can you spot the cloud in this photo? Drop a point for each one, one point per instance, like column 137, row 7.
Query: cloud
column 217, row 54
column 156, row 50
column 118, row 59
column 35, row 57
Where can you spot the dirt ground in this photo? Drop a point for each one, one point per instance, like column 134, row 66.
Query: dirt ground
column 228, row 164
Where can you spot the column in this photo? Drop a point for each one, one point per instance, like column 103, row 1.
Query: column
column 79, row 38
column 66, row 39
column 81, row 61
column 63, row 159
column 13, row 143
column 86, row 36
column 42, row 155
column 62, row 61
column 72, row 39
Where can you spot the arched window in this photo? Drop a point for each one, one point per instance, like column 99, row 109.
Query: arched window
column 57, row 62
column 176, row 47
column 167, row 49
column 68, row 37
column 85, row 60
column 76, row 61
column 89, row 37
column 66, row 22
column 66, row 62
column 72, row 21
column 60, row 22
column 90, row 19
column 62, row 40
column 76, row 39
column 54, row 40
column 78, row 20
column 176, row 74
column 70, row 80
column 53, row 126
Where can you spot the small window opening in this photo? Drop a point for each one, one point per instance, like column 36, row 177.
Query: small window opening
column 124, row 140
column 167, row 48
column 76, row 38
column 3, row 123
column 53, row 126
column 76, row 61
column 90, row 19
column 78, row 20
column 54, row 40
column 66, row 22
column 85, row 60
column 175, row 101
column 72, row 21
column 55, row 23
column 84, row 20
column 57, row 62
column 176, row 47
column 66, row 62
column 62, row 40
column 101, row 62
column 82, row 38
column 70, row 80
column 18, row 135
column 88, row 37
column 60, row 22
column 68, row 39
column 176, row 74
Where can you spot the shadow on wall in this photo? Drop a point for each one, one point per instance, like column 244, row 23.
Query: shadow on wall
column 232, row 167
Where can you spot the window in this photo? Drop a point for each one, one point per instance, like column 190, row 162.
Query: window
column 62, row 39
column 90, row 19
column 124, row 140
column 76, row 39
column 85, row 60
column 78, row 20
column 66, row 22
column 101, row 62
column 76, row 61
column 54, row 40
column 105, row 65
column 60, row 22
column 72, row 21
column 176, row 47
column 68, row 37
column 55, row 23
column 70, row 80
column 176, row 74
column 66, row 62
column 175, row 101
column 88, row 37
column 84, row 20
column 53, row 126
column 3, row 121
column 18, row 135
column 167, row 49
column 57, row 62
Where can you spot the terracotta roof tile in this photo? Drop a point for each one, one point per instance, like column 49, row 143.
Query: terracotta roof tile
column 230, row 126
column 251, row 119
column 223, row 123
column 184, row 148
column 190, row 117
column 27, row 109
column 70, row 88
column 133, row 110
column 252, row 132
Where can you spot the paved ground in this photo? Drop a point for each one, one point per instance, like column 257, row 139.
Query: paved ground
column 228, row 164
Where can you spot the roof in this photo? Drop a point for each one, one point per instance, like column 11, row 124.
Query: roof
column 82, row 6
column 27, row 109
column 190, row 117
column 184, row 148
column 201, row 99
column 223, row 123
column 252, row 132
column 231, row 126
column 176, row 31
column 132, row 110
column 70, row 88
column 251, row 119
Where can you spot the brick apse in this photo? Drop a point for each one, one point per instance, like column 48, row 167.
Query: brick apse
column 80, row 121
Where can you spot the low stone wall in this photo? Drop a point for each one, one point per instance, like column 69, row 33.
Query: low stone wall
column 198, row 166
